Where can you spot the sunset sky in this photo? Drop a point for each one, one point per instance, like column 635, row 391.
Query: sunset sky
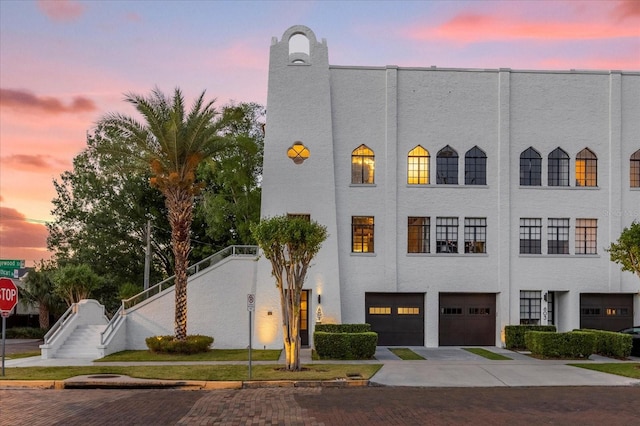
column 63, row 64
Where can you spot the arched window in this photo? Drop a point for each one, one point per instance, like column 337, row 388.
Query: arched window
column 447, row 166
column 362, row 165
column 558, row 168
column 418, row 166
column 586, row 168
column 475, row 167
column 299, row 48
column 634, row 178
column 530, row 168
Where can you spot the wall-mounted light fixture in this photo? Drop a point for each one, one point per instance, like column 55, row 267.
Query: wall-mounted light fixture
column 319, row 299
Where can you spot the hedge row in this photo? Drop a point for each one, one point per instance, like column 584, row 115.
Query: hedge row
column 514, row 334
column 343, row 328
column 574, row 344
column 611, row 344
column 194, row 344
column 345, row 345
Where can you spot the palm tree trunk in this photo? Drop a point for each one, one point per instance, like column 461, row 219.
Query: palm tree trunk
column 180, row 206
column 43, row 316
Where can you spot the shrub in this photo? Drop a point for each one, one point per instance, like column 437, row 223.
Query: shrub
column 574, row 344
column 612, row 344
column 345, row 345
column 25, row 333
column 343, row 328
column 169, row 345
column 514, row 334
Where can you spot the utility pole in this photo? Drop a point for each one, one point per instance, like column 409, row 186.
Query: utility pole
column 147, row 257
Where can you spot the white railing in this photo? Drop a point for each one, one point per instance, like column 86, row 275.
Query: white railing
column 58, row 325
column 244, row 251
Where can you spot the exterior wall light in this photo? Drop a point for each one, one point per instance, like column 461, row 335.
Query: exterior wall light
column 298, row 152
column 319, row 299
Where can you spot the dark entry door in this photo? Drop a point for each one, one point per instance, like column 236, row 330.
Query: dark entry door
column 398, row 318
column 304, row 318
column 611, row 312
column 467, row 319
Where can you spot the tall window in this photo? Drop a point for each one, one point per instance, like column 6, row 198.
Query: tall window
column 530, row 304
column 475, row 167
column 447, row 166
column 530, row 236
column 418, row 166
column 634, row 170
column 446, row 235
column 418, row 237
column 530, row 168
column 558, row 236
column 362, row 234
column 586, row 236
column 558, row 168
column 586, row 168
column 362, row 165
column 475, row 235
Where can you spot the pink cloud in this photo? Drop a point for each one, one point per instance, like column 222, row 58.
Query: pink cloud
column 24, row 100
column 33, row 163
column 61, row 10
column 20, row 238
column 509, row 24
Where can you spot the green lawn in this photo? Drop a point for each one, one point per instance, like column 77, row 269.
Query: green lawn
column 198, row 372
column 487, row 354
column 406, row 354
column 621, row 369
column 212, row 355
column 23, row 355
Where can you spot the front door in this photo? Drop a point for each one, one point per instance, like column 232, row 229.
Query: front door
column 304, row 318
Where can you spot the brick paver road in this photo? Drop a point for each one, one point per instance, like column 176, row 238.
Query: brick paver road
column 322, row 406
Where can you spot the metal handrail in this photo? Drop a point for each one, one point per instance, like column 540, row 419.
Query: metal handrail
column 247, row 251
column 58, row 325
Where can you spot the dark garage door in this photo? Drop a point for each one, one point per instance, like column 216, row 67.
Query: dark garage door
column 611, row 312
column 467, row 319
column 398, row 318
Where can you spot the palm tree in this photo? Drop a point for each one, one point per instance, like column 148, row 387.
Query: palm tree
column 171, row 144
column 39, row 289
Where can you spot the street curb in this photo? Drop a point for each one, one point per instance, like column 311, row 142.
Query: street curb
column 131, row 383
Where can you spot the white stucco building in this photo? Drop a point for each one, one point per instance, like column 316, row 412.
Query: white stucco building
column 457, row 201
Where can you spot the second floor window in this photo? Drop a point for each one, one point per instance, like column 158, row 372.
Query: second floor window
column 558, row 236
column 447, row 166
column 362, row 234
column 586, row 168
column 530, row 168
column 530, row 236
column 586, row 236
column 475, row 167
column 418, row 233
column 362, row 165
column 475, row 235
column 447, row 235
column 558, row 168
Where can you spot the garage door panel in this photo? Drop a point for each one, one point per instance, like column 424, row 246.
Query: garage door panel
column 467, row 319
column 398, row 318
column 611, row 312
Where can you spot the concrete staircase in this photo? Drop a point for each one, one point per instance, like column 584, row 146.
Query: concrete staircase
column 83, row 342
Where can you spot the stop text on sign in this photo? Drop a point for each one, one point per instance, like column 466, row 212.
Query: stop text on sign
column 8, row 293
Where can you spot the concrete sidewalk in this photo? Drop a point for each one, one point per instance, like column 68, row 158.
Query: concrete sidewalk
column 443, row 367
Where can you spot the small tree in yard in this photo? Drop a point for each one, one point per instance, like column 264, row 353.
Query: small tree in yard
column 290, row 243
column 626, row 251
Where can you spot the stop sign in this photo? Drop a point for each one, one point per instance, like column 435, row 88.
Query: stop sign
column 8, row 295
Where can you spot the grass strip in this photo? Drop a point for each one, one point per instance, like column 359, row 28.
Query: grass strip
column 212, row 355
column 198, row 372
column 621, row 369
column 406, row 354
column 487, row 354
column 23, row 355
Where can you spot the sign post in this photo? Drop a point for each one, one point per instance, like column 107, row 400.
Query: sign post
column 8, row 301
column 251, row 306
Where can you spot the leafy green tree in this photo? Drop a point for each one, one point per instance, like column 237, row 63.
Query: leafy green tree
column 74, row 283
column 39, row 290
column 290, row 243
column 230, row 202
column 171, row 143
column 626, row 251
